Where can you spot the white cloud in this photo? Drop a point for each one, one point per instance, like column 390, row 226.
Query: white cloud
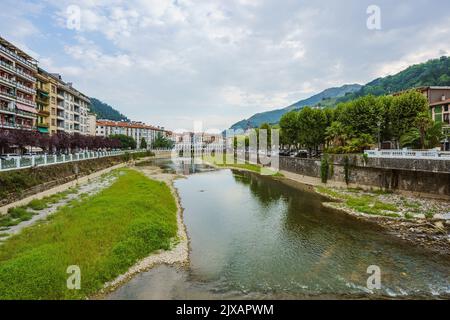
column 172, row 62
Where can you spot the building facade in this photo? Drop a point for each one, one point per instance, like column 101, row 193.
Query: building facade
column 439, row 101
column 72, row 108
column 17, row 88
column 136, row 130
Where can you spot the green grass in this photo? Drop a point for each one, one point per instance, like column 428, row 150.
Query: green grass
column 103, row 235
column 367, row 204
column 38, row 204
column 230, row 162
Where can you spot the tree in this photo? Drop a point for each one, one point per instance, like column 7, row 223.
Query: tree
column 143, row 144
column 363, row 115
column 337, row 134
column 312, row 124
column 162, row 142
column 126, row 142
column 414, row 139
column 403, row 112
column 265, row 126
column 423, row 123
column 289, row 128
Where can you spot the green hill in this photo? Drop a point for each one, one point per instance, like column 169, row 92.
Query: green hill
column 326, row 97
column 105, row 111
column 434, row 72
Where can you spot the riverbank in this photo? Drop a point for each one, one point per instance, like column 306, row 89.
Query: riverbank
column 179, row 251
column 230, row 163
column 104, row 235
column 421, row 221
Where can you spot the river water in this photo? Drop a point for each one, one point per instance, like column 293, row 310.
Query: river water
column 256, row 237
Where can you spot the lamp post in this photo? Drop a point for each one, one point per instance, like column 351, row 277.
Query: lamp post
column 379, row 134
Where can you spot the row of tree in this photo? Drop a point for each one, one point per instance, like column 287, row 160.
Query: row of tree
column 353, row 126
column 60, row 142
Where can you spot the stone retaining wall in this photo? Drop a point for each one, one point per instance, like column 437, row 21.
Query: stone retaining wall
column 426, row 177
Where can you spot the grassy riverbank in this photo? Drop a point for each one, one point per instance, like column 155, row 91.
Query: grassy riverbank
column 387, row 204
column 104, row 235
column 230, row 162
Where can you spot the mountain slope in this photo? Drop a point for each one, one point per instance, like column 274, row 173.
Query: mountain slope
column 105, row 111
column 434, row 72
column 326, row 97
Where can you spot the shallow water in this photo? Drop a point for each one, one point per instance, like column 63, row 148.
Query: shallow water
column 256, row 237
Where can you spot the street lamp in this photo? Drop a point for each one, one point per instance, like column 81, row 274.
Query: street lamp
column 379, row 134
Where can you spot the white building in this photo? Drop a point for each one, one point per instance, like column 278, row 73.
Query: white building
column 72, row 109
column 136, row 130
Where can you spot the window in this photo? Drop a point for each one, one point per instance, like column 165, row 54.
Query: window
column 446, row 118
column 446, row 108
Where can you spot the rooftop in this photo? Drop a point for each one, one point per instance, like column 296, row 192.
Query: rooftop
column 124, row 124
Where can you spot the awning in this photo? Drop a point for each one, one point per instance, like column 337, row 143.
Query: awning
column 43, row 94
column 26, row 108
column 43, row 130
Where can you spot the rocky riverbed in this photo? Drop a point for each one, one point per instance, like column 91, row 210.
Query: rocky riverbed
column 424, row 222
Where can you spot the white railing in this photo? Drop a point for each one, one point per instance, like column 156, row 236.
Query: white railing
column 409, row 154
column 24, row 162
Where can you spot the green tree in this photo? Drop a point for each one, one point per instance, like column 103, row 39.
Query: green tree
column 363, row 115
column 312, row 124
column 431, row 139
column 337, row 134
column 289, row 129
column 161, row 142
column 266, row 126
column 143, row 143
column 126, row 142
column 404, row 110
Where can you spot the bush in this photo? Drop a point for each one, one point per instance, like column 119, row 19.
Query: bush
column 324, row 168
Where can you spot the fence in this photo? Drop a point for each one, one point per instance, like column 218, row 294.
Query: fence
column 409, row 154
column 45, row 160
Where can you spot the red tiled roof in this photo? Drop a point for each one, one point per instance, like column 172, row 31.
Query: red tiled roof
column 126, row 125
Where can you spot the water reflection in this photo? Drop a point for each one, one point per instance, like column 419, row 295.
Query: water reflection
column 256, row 237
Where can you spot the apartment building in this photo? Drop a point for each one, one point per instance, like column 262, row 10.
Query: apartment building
column 17, row 88
column 136, row 130
column 72, row 108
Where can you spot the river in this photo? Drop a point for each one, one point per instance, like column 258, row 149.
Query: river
column 254, row 237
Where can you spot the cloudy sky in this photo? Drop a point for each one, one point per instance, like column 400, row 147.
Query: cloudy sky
column 177, row 61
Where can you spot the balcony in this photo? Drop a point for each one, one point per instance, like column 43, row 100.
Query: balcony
column 43, row 125
column 11, row 125
column 7, row 67
column 7, row 110
column 17, row 57
column 26, row 101
column 43, row 113
column 7, row 95
column 26, row 89
column 7, row 81
column 25, row 75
